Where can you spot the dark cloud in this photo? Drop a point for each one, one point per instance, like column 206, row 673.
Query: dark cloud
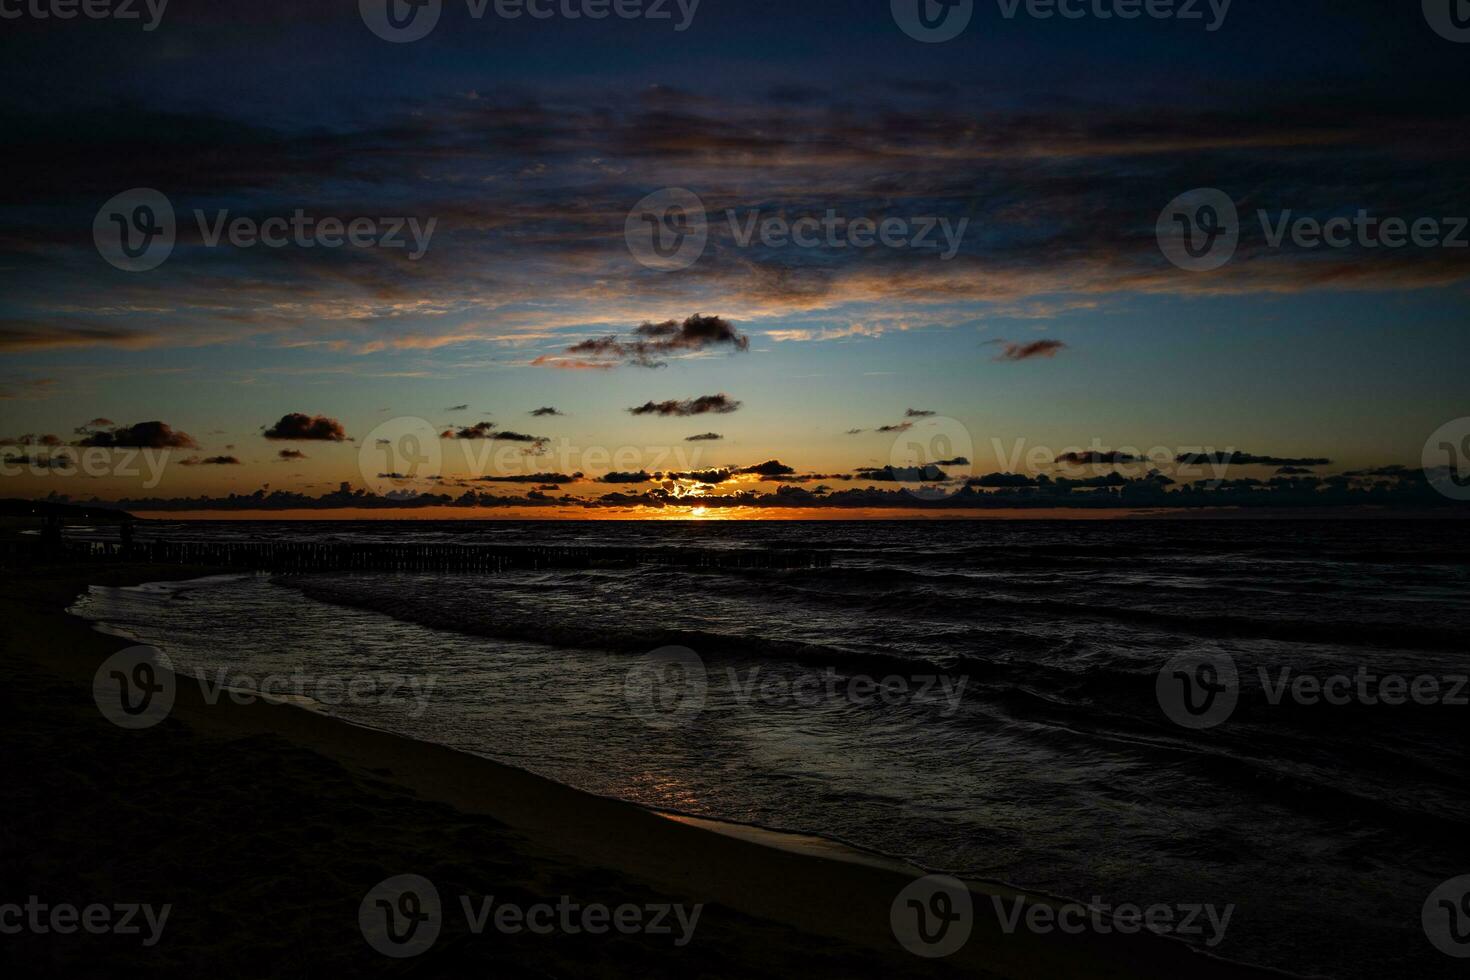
column 1069, row 239
column 1098, row 457
column 902, row 474
column 918, row 413
column 770, row 468
column 211, row 461
column 720, row 404
column 896, row 427
column 642, row 476
column 509, row 436
column 144, row 435
column 544, row 411
column 1247, row 459
column 457, row 408
column 652, row 343
column 291, row 454
column 553, row 479
column 480, row 430
column 86, row 428
column 997, row 480
column 695, row 333
column 704, row 437
column 1026, row 351
column 299, row 427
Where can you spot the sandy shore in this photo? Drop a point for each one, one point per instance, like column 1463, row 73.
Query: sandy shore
column 264, row 826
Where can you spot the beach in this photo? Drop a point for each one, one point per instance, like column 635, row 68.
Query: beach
column 264, row 825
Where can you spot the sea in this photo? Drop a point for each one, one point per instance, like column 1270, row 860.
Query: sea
column 1003, row 700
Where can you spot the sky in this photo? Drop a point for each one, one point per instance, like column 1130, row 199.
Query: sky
column 515, row 183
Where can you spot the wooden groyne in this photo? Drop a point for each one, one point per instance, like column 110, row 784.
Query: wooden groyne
column 339, row 556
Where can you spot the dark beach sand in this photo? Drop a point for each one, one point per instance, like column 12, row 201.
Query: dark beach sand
column 265, row 825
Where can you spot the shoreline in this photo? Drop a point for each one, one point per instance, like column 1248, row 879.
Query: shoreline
column 829, row 893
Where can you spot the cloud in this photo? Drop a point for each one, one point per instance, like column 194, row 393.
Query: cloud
column 1027, row 351
column 770, row 468
column 572, row 364
column 60, row 461
column 918, row 413
column 211, row 461
column 1247, row 459
column 31, row 439
column 1053, row 239
column 896, row 427
column 902, row 474
column 701, row 476
column 457, row 408
column 552, row 481
column 480, row 430
column 32, row 335
column 1098, row 457
column 143, row 435
column 27, row 389
column 996, row 480
column 651, row 343
column 544, row 411
column 642, row 476
column 804, row 334
column 86, row 428
column 297, row 426
column 704, row 437
column 291, row 454
column 720, row 404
